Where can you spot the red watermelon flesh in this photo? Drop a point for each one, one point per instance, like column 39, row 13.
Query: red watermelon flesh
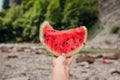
column 57, row 42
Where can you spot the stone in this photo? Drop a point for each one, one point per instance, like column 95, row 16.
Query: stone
column 19, row 78
column 86, row 58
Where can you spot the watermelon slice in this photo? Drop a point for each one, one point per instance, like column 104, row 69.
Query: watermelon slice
column 57, row 42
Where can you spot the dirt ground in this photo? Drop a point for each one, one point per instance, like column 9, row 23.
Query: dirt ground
column 30, row 61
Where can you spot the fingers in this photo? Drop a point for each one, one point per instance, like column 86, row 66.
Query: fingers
column 58, row 56
column 62, row 59
column 62, row 56
column 69, row 60
column 59, row 59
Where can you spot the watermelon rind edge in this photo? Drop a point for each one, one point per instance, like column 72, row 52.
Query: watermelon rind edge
column 78, row 51
column 55, row 53
column 42, row 42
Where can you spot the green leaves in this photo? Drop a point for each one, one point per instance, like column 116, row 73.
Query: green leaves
column 21, row 21
column 72, row 13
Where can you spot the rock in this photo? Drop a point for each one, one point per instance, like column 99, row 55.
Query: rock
column 114, row 56
column 14, row 49
column 27, row 50
column 16, row 65
column 114, row 71
column 39, row 52
column 4, row 49
column 9, row 56
column 20, row 49
column 84, row 64
column 96, row 77
column 86, row 58
column 106, row 61
column 19, row 78
column 99, row 56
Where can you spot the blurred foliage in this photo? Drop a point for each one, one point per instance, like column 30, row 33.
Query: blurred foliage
column 115, row 29
column 20, row 19
column 6, row 4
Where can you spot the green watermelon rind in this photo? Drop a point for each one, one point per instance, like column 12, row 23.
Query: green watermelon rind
column 42, row 41
column 78, row 51
column 55, row 53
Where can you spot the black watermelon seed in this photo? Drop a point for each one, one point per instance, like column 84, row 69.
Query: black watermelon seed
column 53, row 38
column 44, row 35
column 61, row 49
column 63, row 43
column 47, row 39
column 80, row 39
column 66, row 42
column 72, row 48
column 48, row 30
column 51, row 31
column 55, row 45
column 67, row 39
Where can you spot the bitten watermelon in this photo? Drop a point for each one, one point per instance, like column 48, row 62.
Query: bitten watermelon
column 57, row 42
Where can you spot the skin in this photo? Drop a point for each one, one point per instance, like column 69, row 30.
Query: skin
column 61, row 68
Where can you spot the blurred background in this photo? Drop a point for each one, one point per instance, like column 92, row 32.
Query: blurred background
column 23, row 58
column 20, row 19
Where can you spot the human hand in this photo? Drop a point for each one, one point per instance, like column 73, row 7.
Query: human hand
column 61, row 67
column 62, row 61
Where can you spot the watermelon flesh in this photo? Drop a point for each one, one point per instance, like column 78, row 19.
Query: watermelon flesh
column 58, row 42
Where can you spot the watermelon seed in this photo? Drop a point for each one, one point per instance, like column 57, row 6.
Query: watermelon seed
column 66, row 43
column 72, row 48
column 67, row 39
column 44, row 35
column 74, row 41
column 53, row 38
column 55, row 45
column 47, row 39
column 61, row 49
column 80, row 39
column 73, row 38
column 51, row 31
column 63, row 43
column 48, row 30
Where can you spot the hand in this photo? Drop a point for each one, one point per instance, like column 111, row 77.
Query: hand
column 62, row 61
column 61, row 67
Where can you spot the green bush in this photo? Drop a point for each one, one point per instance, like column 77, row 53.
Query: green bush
column 70, row 14
column 20, row 22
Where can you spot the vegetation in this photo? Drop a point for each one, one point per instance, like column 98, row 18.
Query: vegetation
column 115, row 29
column 20, row 19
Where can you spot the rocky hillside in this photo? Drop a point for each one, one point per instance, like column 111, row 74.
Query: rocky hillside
column 109, row 11
column 109, row 16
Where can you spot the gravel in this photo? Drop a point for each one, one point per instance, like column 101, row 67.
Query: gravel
column 25, row 61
